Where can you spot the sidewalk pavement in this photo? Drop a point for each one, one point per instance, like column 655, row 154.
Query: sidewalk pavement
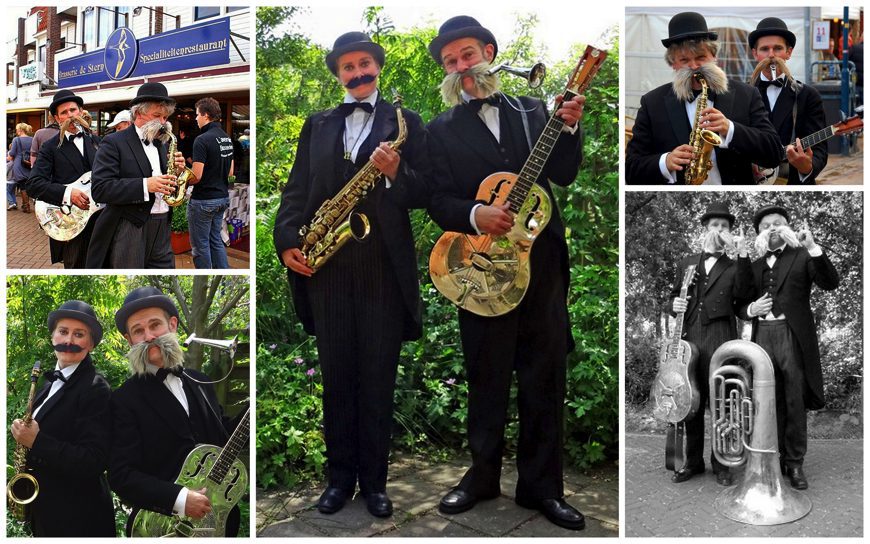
column 842, row 170
column 415, row 487
column 657, row 507
column 27, row 246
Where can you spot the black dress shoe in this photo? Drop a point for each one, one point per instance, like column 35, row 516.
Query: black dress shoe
column 379, row 505
column 724, row 478
column 457, row 501
column 685, row 474
column 332, row 500
column 797, row 478
column 557, row 511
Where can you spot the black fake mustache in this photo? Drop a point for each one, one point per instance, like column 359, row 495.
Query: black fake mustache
column 360, row 80
column 69, row 348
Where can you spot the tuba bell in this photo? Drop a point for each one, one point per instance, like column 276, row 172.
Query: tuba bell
column 743, row 409
column 534, row 75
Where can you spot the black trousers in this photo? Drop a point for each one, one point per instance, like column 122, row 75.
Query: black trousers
column 780, row 343
column 707, row 338
column 147, row 246
column 530, row 340
column 358, row 316
column 74, row 253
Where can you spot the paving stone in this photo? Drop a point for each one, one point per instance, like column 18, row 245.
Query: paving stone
column 539, row 526
column 414, row 495
column 351, row 521
column 292, row 528
column 443, row 474
column 432, row 525
column 496, row 517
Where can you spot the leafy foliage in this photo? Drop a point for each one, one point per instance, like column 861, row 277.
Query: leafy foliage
column 431, row 393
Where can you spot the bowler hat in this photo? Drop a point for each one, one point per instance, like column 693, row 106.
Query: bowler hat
column 718, row 209
column 80, row 311
column 767, row 210
column 140, row 298
column 152, row 92
column 461, row 26
column 62, row 97
column 687, row 25
column 353, row 41
column 771, row 26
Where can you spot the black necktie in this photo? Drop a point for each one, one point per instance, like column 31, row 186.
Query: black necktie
column 476, row 103
column 52, row 375
column 763, row 85
column 163, row 372
column 775, row 253
column 349, row 107
column 711, row 255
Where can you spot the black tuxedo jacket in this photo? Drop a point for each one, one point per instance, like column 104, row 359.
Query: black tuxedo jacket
column 119, row 166
column 662, row 124
column 464, row 152
column 721, row 293
column 810, row 119
column 796, row 274
column 153, row 435
column 55, row 168
column 70, row 455
column 313, row 179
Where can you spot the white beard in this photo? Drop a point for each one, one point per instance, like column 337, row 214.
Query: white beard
column 451, row 85
column 762, row 241
column 717, row 81
column 170, row 349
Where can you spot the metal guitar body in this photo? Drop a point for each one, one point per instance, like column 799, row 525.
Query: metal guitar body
column 63, row 223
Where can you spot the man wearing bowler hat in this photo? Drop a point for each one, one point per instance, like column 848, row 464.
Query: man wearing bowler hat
column 129, row 177
column 486, row 132
column 658, row 152
column 63, row 159
column 365, row 301
column 795, row 108
column 160, row 413
column 721, row 285
column 789, row 264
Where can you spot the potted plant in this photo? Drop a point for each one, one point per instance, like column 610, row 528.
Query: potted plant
column 180, row 235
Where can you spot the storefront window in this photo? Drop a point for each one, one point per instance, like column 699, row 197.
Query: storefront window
column 203, row 12
column 241, row 125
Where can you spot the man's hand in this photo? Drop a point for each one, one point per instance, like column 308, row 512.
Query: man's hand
column 79, row 199
column 179, row 161
column 571, row 111
column 713, row 119
column 800, row 158
column 740, row 244
column 386, row 159
column 761, row 306
column 681, row 304
column 805, row 237
column 680, row 157
column 197, row 504
column 295, row 261
column 495, row 220
column 24, row 434
column 161, row 184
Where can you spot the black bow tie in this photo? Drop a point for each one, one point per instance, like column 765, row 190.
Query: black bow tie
column 349, row 107
column 476, row 103
column 711, row 255
column 763, row 85
column 52, row 375
column 146, row 142
column 774, row 253
column 163, row 372
column 72, row 137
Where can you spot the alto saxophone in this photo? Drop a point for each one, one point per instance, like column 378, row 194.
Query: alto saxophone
column 702, row 141
column 23, row 488
column 184, row 175
column 331, row 229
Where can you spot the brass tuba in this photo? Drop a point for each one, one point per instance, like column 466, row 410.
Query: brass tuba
column 702, row 141
column 184, row 176
column 743, row 409
column 331, row 227
column 23, row 488
column 534, row 75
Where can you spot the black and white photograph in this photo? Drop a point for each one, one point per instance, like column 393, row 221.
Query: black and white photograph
column 746, row 306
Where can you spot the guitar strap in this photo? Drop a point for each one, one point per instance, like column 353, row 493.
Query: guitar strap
column 525, row 117
column 675, row 446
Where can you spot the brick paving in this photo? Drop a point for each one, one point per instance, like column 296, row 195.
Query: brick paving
column 415, row 487
column 657, row 507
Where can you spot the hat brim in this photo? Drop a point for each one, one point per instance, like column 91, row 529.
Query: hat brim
column 790, row 38
column 153, row 301
column 52, row 108
column 710, row 215
column 667, row 42
column 370, row 47
column 479, row 32
column 151, row 98
column 767, row 210
column 95, row 326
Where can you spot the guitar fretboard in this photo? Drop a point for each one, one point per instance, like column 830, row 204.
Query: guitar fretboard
column 234, row 445
column 817, row 137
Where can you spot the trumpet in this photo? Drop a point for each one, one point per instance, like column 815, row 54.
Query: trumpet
column 229, row 346
column 23, row 488
column 534, row 75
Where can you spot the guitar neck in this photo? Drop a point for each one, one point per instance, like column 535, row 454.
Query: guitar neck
column 818, row 137
column 678, row 327
column 231, row 451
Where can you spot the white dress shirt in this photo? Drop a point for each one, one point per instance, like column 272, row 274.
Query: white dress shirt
column 713, row 176
column 358, row 125
column 80, row 145
column 153, row 155
column 57, row 384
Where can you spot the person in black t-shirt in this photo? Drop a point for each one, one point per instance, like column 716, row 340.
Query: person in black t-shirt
column 212, row 165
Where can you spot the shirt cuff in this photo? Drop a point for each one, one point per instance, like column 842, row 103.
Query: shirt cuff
column 816, row 251
column 67, row 196
column 663, row 161
column 471, row 218
column 726, row 141
column 571, row 130
column 178, row 508
column 802, row 177
column 388, row 182
column 749, row 311
column 145, row 189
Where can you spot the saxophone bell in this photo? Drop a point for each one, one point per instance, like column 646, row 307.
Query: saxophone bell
column 23, row 488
